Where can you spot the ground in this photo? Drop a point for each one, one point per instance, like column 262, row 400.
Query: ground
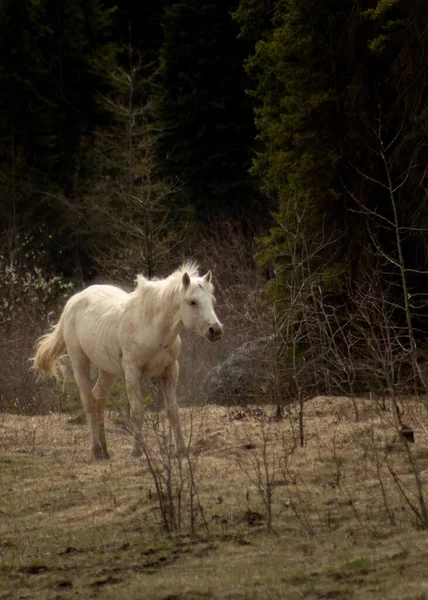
column 251, row 513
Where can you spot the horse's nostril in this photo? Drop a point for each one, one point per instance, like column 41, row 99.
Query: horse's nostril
column 215, row 332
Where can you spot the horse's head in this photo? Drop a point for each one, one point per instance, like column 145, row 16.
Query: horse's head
column 197, row 307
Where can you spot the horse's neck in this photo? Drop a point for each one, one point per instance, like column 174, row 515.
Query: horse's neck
column 168, row 322
column 172, row 333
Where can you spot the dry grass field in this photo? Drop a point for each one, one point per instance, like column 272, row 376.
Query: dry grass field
column 262, row 517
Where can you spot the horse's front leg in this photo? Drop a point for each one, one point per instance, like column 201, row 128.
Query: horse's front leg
column 100, row 393
column 169, row 388
column 132, row 376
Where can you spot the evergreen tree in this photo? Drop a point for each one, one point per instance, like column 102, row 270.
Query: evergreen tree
column 52, row 58
column 139, row 24
column 125, row 210
column 322, row 74
column 202, row 107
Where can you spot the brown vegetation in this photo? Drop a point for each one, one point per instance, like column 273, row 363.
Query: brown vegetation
column 342, row 521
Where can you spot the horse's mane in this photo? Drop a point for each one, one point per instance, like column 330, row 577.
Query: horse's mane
column 158, row 293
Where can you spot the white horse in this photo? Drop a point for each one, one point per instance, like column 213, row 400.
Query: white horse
column 134, row 336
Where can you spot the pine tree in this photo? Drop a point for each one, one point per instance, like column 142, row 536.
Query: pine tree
column 126, row 205
column 201, row 105
column 321, row 74
column 52, row 58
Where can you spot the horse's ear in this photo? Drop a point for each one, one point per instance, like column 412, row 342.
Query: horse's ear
column 207, row 276
column 186, row 280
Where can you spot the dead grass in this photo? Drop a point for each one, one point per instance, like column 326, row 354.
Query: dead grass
column 72, row 528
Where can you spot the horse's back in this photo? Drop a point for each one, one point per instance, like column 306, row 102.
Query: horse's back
column 103, row 296
column 102, row 292
column 91, row 321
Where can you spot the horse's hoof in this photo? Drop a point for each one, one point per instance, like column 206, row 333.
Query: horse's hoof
column 136, row 453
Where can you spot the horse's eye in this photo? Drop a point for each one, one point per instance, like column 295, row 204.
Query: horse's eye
column 192, row 303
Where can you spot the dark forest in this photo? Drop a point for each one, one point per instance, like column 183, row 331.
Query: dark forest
column 283, row 144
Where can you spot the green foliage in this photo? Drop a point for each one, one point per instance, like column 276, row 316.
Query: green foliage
column 381, row 15
column 382, row 7
column 254, row 17
column 296, row 101
column 360, row 565
column 295, row 68
column 324, row 76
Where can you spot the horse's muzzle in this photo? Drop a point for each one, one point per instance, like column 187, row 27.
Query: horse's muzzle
column 215, row 332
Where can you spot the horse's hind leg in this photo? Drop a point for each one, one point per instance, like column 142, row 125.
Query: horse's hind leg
column 81, row 369
column 100, row 392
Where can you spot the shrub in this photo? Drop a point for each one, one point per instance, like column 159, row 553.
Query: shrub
column 30, row 297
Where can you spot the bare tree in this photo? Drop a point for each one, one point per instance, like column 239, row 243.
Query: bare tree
column 303, row 269
column 392, row 221
column 339, row 341
column 127, row 209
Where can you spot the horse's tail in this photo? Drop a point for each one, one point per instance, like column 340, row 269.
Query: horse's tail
column 50, row 347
